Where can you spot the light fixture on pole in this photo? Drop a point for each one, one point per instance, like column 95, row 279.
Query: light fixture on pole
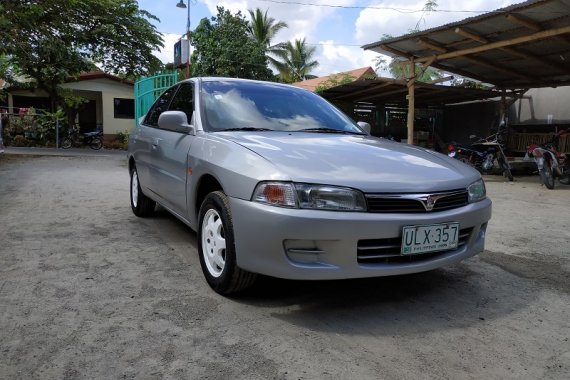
column 182, row 5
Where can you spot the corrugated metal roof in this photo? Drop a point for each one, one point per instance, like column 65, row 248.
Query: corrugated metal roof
column 389, row 91
column 521, row 46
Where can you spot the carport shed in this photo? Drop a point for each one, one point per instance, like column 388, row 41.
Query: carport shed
column 515, row 48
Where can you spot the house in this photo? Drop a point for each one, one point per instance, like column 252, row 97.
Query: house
column 354, row 75
column 110, row 101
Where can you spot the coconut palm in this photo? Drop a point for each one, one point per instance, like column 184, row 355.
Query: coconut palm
column 264, row 28
column 294, row 61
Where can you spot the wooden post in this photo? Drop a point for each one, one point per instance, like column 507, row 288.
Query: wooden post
column 411, row 101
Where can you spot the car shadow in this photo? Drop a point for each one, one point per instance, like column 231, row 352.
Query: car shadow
column 471, row 293
column 453, row 297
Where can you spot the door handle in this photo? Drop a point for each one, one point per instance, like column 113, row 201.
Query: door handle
column 155, row 142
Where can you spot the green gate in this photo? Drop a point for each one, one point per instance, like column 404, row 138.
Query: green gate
column 147, row 90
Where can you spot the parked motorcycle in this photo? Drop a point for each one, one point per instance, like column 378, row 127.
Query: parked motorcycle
column 92, row 139
column 482, row 153
column 551, row 163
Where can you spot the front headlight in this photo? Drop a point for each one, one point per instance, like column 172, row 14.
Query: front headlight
column 477, row 191
column 307, row 196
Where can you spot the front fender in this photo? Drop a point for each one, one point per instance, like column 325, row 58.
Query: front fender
column 236, row 168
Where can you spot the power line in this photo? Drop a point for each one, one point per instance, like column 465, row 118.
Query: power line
column 331, row 44
column 399, row 10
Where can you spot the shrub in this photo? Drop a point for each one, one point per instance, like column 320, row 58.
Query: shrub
column 20, row 140
column 123, row 137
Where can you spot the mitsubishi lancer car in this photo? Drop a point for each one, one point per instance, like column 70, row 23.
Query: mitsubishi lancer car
column 277, row 181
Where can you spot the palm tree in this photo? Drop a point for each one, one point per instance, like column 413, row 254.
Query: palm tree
column 294, row 61
column 264, row 28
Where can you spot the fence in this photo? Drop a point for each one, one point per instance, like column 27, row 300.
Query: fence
column 147, row 90
column 29, row 127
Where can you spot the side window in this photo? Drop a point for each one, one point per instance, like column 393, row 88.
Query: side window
column 159, row 107
column 184, row 101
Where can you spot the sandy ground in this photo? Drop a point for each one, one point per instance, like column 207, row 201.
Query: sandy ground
column 88, row 290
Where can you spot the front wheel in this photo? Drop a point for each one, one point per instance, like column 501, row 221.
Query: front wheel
column 96, row 143
column 546, row 175
column 66, row 143
column 216, row 247
column 506, row 168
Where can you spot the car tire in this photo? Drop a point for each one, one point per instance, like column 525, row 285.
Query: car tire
column 216, row 247
column 140, row 204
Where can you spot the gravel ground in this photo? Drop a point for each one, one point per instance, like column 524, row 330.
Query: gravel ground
column 88, row 290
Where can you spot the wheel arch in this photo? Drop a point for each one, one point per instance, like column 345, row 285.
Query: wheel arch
column 206, row 184
column 131, row 163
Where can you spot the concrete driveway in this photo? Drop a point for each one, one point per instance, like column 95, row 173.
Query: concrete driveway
column 88, row 290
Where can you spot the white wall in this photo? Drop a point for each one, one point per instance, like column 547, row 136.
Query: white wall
column 539, row 103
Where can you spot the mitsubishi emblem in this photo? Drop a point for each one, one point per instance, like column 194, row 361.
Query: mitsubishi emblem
column 430, row 202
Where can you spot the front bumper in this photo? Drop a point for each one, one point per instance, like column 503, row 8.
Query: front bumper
column 322, row 245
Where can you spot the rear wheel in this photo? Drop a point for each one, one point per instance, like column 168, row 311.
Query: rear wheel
column 546, row 174
column 140, row 204
column 216, row 246
column 66, row 143
column 96, row 143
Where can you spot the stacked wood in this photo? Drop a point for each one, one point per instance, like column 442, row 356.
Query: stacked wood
column 518, row 142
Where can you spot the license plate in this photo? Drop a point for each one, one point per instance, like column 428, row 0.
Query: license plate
column 429, row 238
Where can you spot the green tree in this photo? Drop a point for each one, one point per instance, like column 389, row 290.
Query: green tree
column 399, row 68
column 4, row 73
column 263, row 28
column 223, row 47
column 51, row 41
column 295, row 61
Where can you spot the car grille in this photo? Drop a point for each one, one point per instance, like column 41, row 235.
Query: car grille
column 410, row 203
column 379, row 251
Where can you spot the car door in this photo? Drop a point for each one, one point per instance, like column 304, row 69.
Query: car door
column 144, row 135
column 170, row 154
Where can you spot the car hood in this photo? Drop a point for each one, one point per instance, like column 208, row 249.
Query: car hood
column 363, row 162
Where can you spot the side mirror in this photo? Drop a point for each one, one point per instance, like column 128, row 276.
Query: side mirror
column 364, row 125
column 175, row 121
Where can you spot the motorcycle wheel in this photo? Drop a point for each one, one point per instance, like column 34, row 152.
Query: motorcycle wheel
column 96, row 143
column 506, row 168
column 547, row 175
column 565, row 179
column 66, row 143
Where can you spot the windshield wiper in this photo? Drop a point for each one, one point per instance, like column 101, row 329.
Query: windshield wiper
column 329, row 130
column 244, row 129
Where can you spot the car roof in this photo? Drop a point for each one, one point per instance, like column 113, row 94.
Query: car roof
column 240, row 80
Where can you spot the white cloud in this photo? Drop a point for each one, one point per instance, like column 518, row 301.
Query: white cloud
column 166, row 54
column 371, row 24
column 303, row 20
column 334, row 58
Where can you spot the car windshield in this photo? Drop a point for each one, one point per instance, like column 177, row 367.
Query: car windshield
column 236, row 105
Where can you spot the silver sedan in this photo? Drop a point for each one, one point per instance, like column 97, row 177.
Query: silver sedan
column 277, row 181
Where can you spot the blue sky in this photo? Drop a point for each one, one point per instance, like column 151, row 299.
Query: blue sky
column 337, row 32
